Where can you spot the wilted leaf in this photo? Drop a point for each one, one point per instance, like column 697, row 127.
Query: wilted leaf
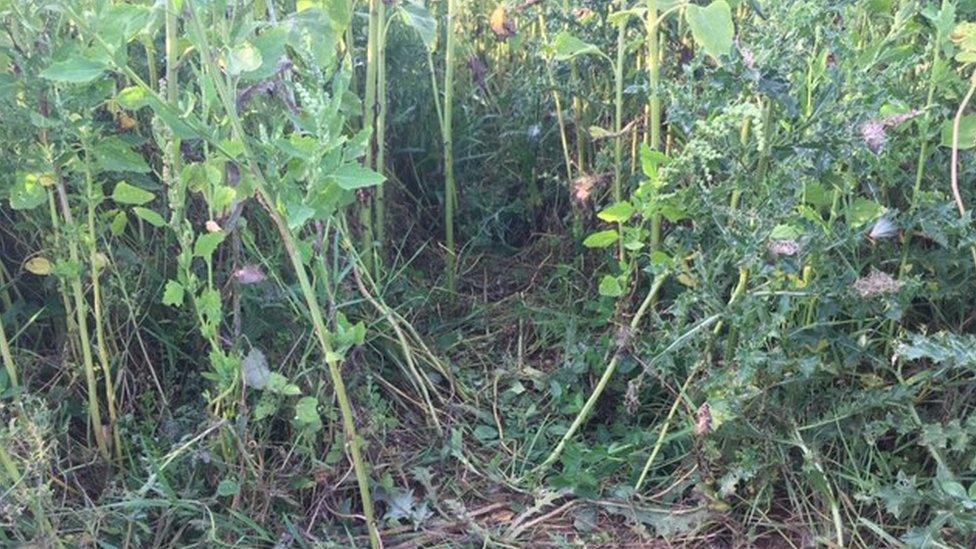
column 256, row 371
column 39, row 266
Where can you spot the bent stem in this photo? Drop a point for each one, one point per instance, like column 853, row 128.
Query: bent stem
column 604, row 379
column 332, row 360
column 954, row 167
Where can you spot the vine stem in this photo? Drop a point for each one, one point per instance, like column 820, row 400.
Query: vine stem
column 954, row 168
column 604, row 379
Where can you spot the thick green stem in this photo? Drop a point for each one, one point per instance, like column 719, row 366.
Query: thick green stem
column 450, row 188
column 654, row 81
column 81, row 310
column 366, row 219
column 332, row 360
column 94, row 263
column 618, row 121
column 380, row 199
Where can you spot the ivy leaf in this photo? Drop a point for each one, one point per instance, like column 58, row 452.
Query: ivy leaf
column 712, row 27
column 74, row 70
column 601, row 239
column 351, row 177
column 125, row 193
column 565, row 46
column 173, row 294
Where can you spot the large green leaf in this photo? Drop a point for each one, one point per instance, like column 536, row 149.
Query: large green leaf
column 565, row 46
column 967, row 132
column 417, row 17
column 244, row 57
column 27, row 192
column 125, row 193
column 351, row 177
column 712, row 27
column 74, row 70
column 601, row 239
column 114, row 154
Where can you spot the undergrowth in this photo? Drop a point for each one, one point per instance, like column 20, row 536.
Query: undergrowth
column 347, row 273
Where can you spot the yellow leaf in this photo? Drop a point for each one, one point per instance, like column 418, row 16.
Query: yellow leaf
column 39, row 266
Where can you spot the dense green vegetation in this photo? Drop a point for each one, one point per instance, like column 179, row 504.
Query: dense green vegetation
column 417, row 273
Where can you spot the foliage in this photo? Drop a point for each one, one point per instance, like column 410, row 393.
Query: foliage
column 265, row 265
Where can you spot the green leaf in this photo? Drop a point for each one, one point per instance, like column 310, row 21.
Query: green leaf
column 119, row 222
column 125, row 193
column 27, row 191
column 173, row 294
column 565, row 46
column 651, row 160
column 351, row 177
column 114, row 154
column 133, row 98
column 954, row 489
column 207, row 243
column 601, row 239
column 74, row 70
column 863, row 211
column 228, row 487
column 617, row 213
column 243, row 58
column 149, row 216
column 485, row 432
column 307, row 412
column 967, row 132
column 712, row 27
column 417, row 17
column 610, row 286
